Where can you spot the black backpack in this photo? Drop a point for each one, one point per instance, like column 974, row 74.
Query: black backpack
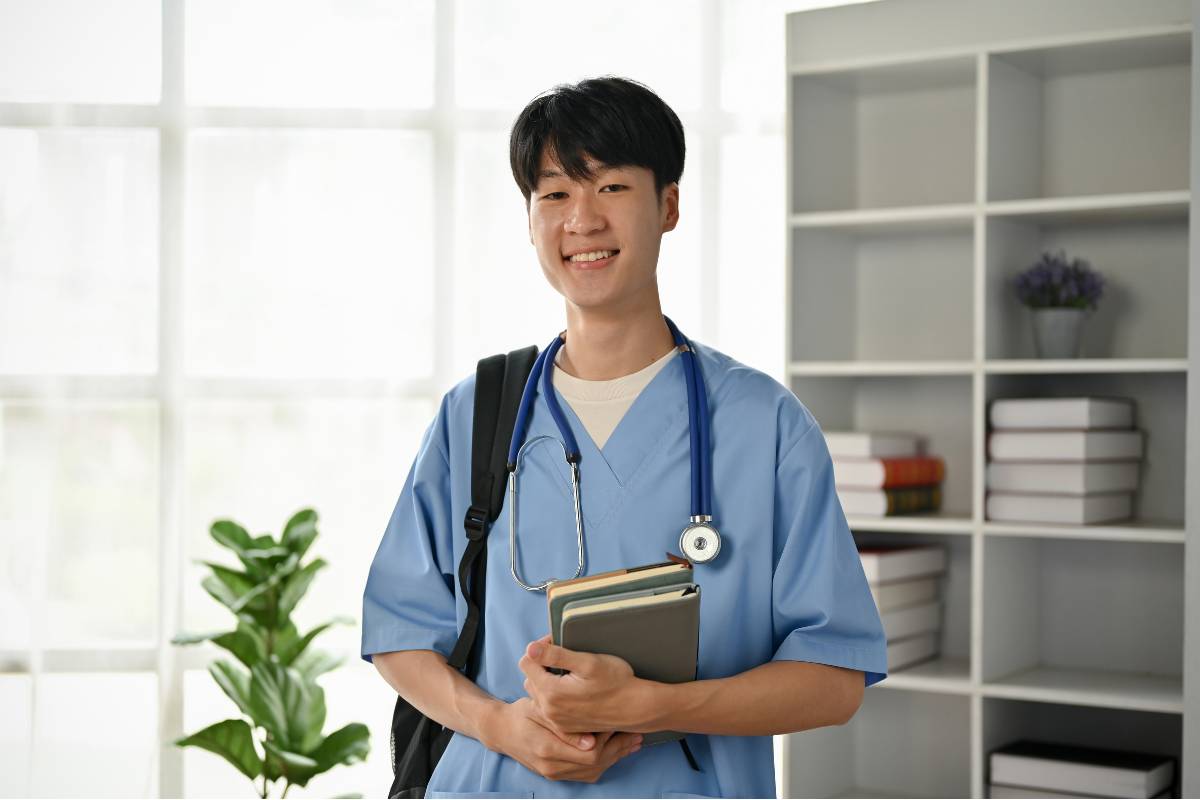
column 417, row 742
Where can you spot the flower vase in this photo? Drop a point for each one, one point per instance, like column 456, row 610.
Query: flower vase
column 1056, row 331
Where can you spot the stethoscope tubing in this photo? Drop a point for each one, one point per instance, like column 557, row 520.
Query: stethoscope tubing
column 699, row 440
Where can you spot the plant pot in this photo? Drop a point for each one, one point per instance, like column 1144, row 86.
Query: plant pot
column 1056, row 331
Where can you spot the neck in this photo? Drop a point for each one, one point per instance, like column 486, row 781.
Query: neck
column 602, row 346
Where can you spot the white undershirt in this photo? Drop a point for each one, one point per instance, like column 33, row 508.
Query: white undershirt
column 601, row 404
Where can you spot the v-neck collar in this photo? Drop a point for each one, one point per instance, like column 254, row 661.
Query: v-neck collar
column 606, row 475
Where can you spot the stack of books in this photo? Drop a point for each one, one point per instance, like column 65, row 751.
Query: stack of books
column 1069, row 460
column 881, row 474
column 648, row 615
column 904, row 583
column 1029, row 768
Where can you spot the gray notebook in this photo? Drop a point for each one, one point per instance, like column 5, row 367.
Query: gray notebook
column 657, row 633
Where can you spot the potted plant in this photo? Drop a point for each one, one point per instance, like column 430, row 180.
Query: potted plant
column 273, row 681
column 1060, row 292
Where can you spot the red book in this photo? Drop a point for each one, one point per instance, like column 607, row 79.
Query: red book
column 888, row 473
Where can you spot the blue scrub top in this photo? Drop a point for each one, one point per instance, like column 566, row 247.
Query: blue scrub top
column 788, row 584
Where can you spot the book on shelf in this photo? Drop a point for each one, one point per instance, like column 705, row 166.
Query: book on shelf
column 887, row 563
column 914, row 649
column 901, row 623
column 888, row 473
column 1062, row 412
column 899, row 594
column 879, row 444
column 1083, row 770
column 1079, row 445
column 1066, row 509
column 1079, row 477
column 888, row 502
column 1000, row 790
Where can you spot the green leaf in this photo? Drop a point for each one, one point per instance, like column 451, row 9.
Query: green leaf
column 300, row 531
column 297, row 768
column 234, row 682
column 267, row 553
column 236, row 603
column 313, row 663
column 314, row 721
column 231, row 739
column 241, row 646
column 287, row 705
column 195, row 638
column 344, row 746
column 288, row 653
column 296, row 585
column 228, row 533
column 238, row 582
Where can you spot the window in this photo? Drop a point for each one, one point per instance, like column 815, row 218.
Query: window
column 237, row 282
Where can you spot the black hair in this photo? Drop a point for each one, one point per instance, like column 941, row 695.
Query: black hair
column 617, row 121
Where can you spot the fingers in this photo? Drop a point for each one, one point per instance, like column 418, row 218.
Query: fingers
column 619, row 746
column 551, row 655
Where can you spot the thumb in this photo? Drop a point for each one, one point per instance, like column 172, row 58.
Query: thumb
column 585, row 741
column 551, row 655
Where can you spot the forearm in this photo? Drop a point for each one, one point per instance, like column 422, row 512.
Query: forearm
column 440, row 692
column 774, row 698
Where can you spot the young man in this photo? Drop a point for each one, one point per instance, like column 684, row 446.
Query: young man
column 789, row 632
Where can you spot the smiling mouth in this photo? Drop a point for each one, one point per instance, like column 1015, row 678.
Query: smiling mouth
column 593, row 260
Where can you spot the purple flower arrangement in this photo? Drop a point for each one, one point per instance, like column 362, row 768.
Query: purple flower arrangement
column 1055, row 282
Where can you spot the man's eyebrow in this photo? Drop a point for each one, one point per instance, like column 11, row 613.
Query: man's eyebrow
column 549, row 173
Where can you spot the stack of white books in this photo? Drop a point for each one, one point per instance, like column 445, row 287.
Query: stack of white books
column 1041, row 769
column 1068, row 460
column 884, row 473
column 904, row 583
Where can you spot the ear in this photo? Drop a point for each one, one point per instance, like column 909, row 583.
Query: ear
column 669, row 206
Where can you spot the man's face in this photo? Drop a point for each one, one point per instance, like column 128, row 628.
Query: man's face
column 619, row 211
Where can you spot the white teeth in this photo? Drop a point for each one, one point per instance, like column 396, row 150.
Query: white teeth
column 593, row 256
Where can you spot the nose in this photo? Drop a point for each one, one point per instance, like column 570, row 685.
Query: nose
column 584, row 216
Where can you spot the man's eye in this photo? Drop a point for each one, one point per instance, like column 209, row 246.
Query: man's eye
column 551, row 195
column 612, row 185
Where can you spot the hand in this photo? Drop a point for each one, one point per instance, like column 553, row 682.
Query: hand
column 600, row 693
column 521, row 733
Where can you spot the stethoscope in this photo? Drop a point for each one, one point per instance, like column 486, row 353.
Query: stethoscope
column 699, row 541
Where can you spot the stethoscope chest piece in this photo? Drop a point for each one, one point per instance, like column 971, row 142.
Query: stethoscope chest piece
column 700, row 542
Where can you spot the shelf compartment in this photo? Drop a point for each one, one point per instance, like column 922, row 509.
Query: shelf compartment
column 1160, row 410
column 1096, row 118
column 1171, row 206
column 1005, row 721
column 891, row 220
column 867, row 368
column 927, row 522
column 950, row 671
column 1142, row 315
column 1054, row 609
column 1026, row 366
column 936, row 407
column 884, row 136
column 949, row 675
column 880, row 297
column 1133, row 531
column 886, row 750
column 1091, row 687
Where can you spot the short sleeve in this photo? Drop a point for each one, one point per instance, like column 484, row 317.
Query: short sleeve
column 823, row 608
column 409, row 601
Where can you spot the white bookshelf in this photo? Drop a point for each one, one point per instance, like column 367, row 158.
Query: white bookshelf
column 934, row 149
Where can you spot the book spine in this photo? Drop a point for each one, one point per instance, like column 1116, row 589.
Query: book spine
column 904, row 472
column 902, row 501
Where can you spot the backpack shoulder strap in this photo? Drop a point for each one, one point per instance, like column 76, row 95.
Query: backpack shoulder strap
column 499, row 383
